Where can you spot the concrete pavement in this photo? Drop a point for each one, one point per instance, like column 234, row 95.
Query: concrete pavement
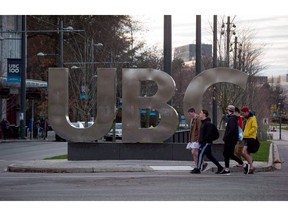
column 64, row 166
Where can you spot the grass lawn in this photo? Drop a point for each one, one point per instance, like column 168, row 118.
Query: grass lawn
column 59, row 157
column 263, row 152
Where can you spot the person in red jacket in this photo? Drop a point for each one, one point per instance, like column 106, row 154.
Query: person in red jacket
column 240, row 144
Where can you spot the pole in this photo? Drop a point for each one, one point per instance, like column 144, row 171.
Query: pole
column 239, row 60
column 280, row 124
column 32, row 119
column 198, row 44
column 235, row 53
column 167, row 44
column 93, row 73
column 92, row 56
column 214, row 41
column 23, row 79
column 1, row 69
column 228, row 41
column 60, row 60
column 214, row 102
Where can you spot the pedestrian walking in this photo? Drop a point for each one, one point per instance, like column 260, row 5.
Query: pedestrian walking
column 230, row 139
column 249, row 138
column 240, row 144
column 5, row 128
column 193, row 144
column 206, row 137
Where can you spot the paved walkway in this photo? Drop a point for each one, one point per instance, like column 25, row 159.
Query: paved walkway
column 65, row 166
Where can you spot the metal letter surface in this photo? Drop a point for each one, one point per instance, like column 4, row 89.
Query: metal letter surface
column 197, row 87
column 58, row 97
column 133, row 102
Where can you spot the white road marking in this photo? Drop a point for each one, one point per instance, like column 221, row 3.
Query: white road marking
column 171, row 168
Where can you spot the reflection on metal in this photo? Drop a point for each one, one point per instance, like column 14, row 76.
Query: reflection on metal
column 58, row 97
column 133, row 103
column 197, row 87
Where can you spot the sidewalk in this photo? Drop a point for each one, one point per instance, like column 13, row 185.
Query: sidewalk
column 65, row 166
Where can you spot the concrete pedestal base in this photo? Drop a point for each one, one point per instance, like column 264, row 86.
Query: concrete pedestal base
column 135, row 151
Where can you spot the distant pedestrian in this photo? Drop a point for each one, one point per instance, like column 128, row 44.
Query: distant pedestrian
column 5, row 128
column 193, row 144
column 249, row 137
column 205, row 141
column 230, row 139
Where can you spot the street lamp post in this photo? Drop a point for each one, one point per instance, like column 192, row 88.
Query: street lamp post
column 93, row 70
column 230, row 29
column 42, row 54
column 228, row 41
column 214, row 102
column 39, row 54
column 23, row 79
column 280, row 121
column 167, row 43
column 198, row 45
column 92, row 52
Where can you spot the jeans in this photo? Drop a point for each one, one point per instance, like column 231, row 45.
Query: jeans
column 228, row 153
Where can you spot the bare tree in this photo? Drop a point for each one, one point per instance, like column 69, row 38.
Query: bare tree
column 237, row 49
column 115, row 33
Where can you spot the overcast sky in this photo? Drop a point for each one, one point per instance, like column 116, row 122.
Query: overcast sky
column 270, row 30
column 268, row 19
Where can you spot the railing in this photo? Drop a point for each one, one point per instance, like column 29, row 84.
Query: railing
column 181, row 136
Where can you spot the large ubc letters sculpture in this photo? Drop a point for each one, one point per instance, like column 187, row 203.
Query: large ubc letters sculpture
column 58, row 106
column 197, row 87
column 133, row 102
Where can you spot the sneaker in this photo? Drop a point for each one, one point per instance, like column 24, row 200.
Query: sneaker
column 204, row 166
column 251, row 171
column 225, row 172
column 246, row 169
column 195, row 171
column 219, row 171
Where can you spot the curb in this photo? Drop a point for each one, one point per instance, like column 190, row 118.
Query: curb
column 276, row 161
column 64, row 166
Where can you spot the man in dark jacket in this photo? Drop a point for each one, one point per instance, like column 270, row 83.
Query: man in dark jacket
column 5, row 128
column 230, row 140
column 205, row 141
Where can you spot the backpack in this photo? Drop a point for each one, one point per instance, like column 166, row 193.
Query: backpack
column 240, row 134
column 215, row 133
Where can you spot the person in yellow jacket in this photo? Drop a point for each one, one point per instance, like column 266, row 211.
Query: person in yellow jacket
column 249, row 137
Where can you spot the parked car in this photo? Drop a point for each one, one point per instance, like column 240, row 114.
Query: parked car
column 77, row 124
column 90, row 123
column 118, row 132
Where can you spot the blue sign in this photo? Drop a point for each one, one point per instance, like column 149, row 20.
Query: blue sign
column 14, row 70
column 84, row 92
